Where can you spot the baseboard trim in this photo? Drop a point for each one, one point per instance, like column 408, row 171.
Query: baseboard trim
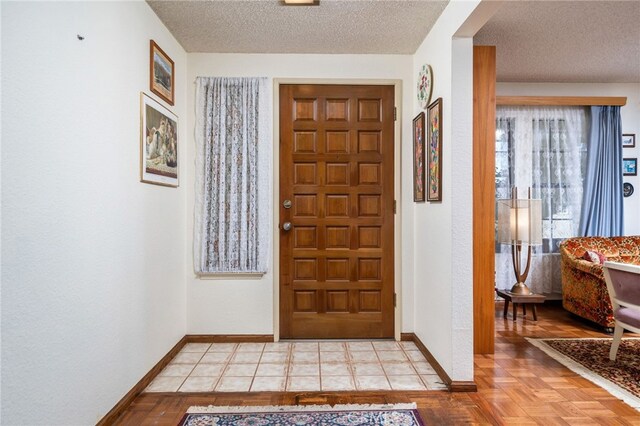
column 407, row 337
column 137, row 389
column 229, row 338
column 463, row 386
column 453, row 386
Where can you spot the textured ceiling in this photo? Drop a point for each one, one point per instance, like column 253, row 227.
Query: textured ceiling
column 574, row 41
column 266, row 26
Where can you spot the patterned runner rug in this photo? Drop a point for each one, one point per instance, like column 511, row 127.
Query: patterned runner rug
column 590, row 359
column 297, row 415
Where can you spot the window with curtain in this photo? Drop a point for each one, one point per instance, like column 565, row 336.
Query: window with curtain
column 233, row 146
column 545, row 149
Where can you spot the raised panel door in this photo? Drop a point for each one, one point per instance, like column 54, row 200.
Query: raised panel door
column 336, row 168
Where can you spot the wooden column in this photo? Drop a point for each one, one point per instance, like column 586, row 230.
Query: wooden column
column 484, row 190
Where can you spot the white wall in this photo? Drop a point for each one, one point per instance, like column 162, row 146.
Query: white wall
column 92, row 260
column 245, row 306
column 630, row 124
column 443, row 289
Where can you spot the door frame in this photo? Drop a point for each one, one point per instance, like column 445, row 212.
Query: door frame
column 397, row 193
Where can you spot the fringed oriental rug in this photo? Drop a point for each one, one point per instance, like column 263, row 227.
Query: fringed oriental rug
column 297, row 415
column 590, row 359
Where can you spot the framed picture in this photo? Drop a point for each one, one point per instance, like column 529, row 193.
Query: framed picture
column 418, row 158
column 434, row 151
column 161, row 74
column 425, row 85
column 629, row 140
column 158, row 143
column 627, row 189
column 630, row 166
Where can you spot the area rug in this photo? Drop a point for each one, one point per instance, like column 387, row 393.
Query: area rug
column 590, row 359
column 297, row 415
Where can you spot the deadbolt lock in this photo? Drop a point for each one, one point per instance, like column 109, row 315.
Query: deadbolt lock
column 286, row 204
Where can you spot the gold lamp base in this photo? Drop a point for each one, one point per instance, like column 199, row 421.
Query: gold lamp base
column 521, row 289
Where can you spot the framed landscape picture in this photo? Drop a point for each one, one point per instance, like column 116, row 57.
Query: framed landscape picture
column 434, row 151
column 629, row 140
column 418, row 158
column 161, row 74
column 630, row 166
column 158, row 143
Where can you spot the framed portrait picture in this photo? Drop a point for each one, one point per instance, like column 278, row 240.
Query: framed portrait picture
column 629, row 140
column 418, row 158
column 630, row 166
column 158, row 143
column 434, row 151
column 161, row 74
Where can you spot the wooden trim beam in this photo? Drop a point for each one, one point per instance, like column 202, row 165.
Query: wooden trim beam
column 561, row 100
column 484, row 197
column 229, row 338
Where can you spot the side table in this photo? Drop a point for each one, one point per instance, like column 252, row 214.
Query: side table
column 520, row 299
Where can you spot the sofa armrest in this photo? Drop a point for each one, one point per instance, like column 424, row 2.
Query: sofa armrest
column 582, row 265
column 590, row 268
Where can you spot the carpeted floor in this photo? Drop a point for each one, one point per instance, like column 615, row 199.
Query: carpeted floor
column 338, row 415
column 590, row 359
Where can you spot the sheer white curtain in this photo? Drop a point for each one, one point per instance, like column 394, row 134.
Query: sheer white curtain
column 233, row 148
column 542, row 148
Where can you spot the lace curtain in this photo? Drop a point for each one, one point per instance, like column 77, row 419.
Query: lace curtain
column 544, row 149
column 233, row 145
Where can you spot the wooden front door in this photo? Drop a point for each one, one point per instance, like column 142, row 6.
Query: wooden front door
column 336, row 192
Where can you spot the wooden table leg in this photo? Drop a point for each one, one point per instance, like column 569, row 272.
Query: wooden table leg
column 506, row 307
column 524, row 310
column 515, row 310
column 535, row 315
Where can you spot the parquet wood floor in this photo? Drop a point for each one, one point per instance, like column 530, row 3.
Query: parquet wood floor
column 519, row 384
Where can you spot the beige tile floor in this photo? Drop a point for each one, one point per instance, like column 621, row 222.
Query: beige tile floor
column 297, row 366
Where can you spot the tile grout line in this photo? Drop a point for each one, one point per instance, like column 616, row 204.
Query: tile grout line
column 289, row 362
column 426, row 386
column 191, row 371
column 319, row 369
column 380, row 362
column 226, row 364
column 194, row 367
column 255, row 373
column 352, row 368
column 413, row 362
column 352, row 361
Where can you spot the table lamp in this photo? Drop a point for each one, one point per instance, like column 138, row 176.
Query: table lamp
column 520, row 223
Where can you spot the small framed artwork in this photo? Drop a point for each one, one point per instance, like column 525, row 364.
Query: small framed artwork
column 158, row 143
column 418, row 158
column 627, row 189
column 161, row 74
column 425, row 85
column 629, row 140
column 433, row 139
column 630, row 167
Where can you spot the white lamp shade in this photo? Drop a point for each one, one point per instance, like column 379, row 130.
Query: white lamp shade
column 520, row 221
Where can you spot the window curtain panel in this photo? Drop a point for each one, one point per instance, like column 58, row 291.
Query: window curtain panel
column 541, row 148
column 233, row 149
column 602, row 210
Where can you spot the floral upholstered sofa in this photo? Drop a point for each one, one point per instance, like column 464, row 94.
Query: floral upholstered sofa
column 584, row 291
